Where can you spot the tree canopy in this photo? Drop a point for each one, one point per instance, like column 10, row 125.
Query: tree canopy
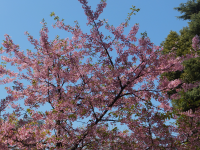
column 181, row 44
column 189, row 9
column 76, row 90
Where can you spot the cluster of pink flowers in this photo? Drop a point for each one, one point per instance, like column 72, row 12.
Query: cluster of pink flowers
column 195, row 43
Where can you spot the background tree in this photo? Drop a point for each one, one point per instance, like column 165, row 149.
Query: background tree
column 189, row 9
column 182, row 45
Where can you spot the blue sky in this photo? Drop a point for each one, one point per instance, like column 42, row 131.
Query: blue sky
column 156, row 17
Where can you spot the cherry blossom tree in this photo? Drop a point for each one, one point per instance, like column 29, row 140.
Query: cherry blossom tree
column 76, row 90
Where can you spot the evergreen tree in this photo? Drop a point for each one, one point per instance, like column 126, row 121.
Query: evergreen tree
column 194, row 25
column 189, row 8
column 181, row 44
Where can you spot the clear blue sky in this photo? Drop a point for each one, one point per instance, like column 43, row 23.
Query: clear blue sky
column 157, row 17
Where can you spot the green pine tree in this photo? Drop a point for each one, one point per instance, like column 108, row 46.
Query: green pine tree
column 189, row 8
column 183, row 45
column 191, row 73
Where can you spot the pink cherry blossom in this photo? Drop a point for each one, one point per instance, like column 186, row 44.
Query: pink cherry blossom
column 54, row 71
